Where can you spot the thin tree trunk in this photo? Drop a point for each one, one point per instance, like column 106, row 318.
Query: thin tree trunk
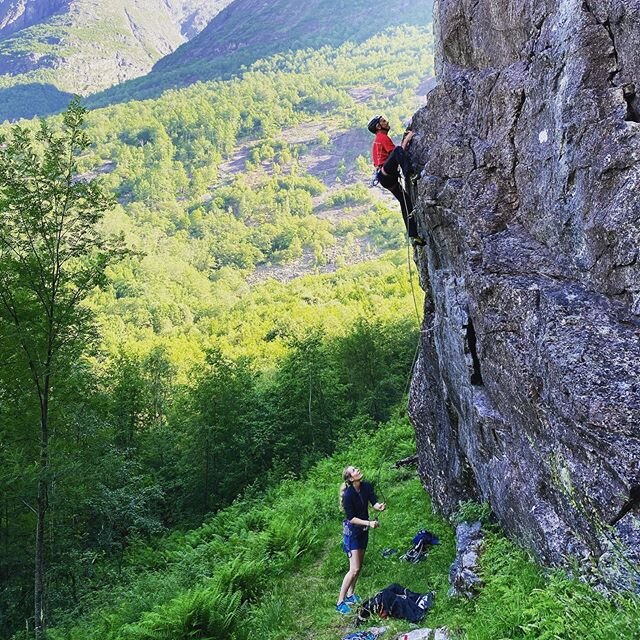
column 5, row 528
column 207, row 463
column 41, row 507
column 40, row 618
column 311, row 431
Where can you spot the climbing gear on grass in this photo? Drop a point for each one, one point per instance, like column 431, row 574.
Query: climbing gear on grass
column 398, row 602
column 421, row 543
column 425, row 537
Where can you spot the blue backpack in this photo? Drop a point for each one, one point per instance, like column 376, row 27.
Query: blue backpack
column 425, row 537
column 421, row 542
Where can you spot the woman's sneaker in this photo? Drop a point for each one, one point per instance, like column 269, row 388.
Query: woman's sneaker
column 353, row 599
column 343, row 608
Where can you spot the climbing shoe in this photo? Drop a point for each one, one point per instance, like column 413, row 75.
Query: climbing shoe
column 343, row 608
column 418, row 242
column 353, row 599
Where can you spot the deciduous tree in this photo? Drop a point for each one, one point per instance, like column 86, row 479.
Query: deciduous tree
column 51, row 257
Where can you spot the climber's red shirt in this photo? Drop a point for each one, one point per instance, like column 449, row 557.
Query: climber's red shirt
column 382, row 147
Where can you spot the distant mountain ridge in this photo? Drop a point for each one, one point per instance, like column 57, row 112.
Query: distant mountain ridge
column 20, row 14
column 50, row 49
column 115, row 50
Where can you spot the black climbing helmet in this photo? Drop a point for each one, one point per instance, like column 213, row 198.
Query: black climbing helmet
column 373, row 124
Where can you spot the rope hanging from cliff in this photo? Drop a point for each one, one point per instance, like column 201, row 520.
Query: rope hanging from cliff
column 409, row 260
column 385, row 456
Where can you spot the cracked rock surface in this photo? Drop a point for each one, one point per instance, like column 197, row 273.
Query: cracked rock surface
column 464, row 572
column 526, row 392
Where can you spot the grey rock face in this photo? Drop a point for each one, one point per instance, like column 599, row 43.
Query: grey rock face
column 621, row 558
column 194, row 15
column 527, row 389
column 463, row 575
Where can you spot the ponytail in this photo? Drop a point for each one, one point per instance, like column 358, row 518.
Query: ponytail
column 346, row 476
column 343, row 488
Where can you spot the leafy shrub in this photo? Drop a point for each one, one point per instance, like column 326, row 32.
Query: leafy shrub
column 471, row 511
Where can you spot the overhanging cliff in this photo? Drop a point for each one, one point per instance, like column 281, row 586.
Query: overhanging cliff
column 527, row 389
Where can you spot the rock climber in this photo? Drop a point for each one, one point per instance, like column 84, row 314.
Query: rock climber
column 387, row 157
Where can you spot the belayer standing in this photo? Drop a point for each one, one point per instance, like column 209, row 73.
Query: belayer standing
column 355, row 497
column 387, row 157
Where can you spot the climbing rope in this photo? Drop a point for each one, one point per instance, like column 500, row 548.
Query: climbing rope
column 384, row 457
column 409, row 260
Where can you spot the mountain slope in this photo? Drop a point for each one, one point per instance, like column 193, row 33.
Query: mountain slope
column 52, row 48
column 20, row 14
column 247, row 30
column 240, row 574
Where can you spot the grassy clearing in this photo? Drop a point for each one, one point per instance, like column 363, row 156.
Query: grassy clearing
column 270, row 568
column 520, row 600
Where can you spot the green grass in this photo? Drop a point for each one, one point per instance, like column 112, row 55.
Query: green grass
column 270, row 567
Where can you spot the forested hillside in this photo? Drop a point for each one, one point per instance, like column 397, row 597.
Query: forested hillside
column 205, row 375
column 248, row 30
column 270, row 566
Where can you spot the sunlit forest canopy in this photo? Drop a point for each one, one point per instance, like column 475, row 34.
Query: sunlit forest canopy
column 265, row 309
column 220, row 178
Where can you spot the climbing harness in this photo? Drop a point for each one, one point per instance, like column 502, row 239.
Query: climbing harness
column 374, row 181
column 421, row 543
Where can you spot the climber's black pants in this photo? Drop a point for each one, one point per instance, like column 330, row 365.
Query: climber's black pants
column 398, row 158
column 391, row 183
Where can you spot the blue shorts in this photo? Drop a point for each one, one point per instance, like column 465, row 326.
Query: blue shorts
column 354, row 537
